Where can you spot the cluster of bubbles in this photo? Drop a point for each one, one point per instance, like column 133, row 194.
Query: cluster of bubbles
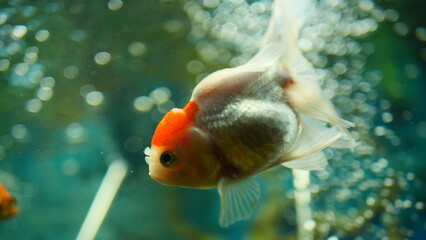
column 411, row 70
column 20, row 65
column 236, row 28
column 157, row 97
column 27, row 72
column 91, row 95
column 333, row 43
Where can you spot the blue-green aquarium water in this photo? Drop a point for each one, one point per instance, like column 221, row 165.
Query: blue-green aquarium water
column 83, row 85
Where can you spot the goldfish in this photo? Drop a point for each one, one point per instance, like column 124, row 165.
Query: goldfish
column 244, row 120
column 8, row 206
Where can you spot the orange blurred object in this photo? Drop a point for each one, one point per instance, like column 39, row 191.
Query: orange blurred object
column 8, row 206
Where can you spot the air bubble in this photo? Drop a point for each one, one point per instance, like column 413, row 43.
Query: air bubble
column 42, row 35
column 143, row 103
column 194, row 66
column 34, row 105
column 173, row 26
column 4, row 65
column 387, row 117
column 48, row 82
column 211, row 3
column 137, row 49
column 19, row 131
column 160, row 95
column 379, row 131
column 421, row 33
column 74, row 130
column 391, row 15
column 94, row 98
column 401, row 28
column 411, row 71
column 102, row 58
column 44, row 93
column 71, row 72
column 18, row 32
column 115, row 5
column 70, row 167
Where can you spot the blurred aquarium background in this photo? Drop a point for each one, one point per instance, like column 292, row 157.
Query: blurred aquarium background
column 84, row 83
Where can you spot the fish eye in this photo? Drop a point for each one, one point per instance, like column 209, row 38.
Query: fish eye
column 168, row 159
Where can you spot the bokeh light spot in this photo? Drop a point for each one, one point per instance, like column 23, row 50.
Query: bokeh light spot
column 13, row 48
column 401, row 28
column 114, row 5
column 143, row 103
column 3, row 18
column 42, row 35
column 44, row 93
column 194, row 66
column 173, row 26
column 211, row 3
column 137, row 49
column 160, row 95
column 30, row 58
column 4, row 65
column 18, row 32
column 19, row 131
column 78, row 35
column 391, row 15
column 70, row 167
column 421, row 33
column 74, row 130
column 86, row 89
column 94, row 98
column 102, row 58
column 21, row 69
column 71, row 72
column 34, row 105
column 48, row 82
column 411, row 71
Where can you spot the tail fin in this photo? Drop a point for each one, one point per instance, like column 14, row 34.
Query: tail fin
column 280, row 40
column 280, row 49
column 288, row 16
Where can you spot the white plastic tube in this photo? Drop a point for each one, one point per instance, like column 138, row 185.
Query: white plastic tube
column 117, row 170
column 305, row 223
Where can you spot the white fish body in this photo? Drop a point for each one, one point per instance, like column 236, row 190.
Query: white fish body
column 244, row 120
column 255, row 87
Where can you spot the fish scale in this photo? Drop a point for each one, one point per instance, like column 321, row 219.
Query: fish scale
column 253, row 128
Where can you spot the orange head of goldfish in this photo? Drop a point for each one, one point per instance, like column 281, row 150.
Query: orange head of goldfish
column 181, row 153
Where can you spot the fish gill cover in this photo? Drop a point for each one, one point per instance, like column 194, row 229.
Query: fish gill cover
column 83, row 84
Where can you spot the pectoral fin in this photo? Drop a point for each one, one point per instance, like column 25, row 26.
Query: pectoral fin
column 238, row 200
column 315, row 161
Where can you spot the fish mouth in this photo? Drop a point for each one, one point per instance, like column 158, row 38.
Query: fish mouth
column 149, row 160
column 154, row 167
column 156, row 176
column 148, row 153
